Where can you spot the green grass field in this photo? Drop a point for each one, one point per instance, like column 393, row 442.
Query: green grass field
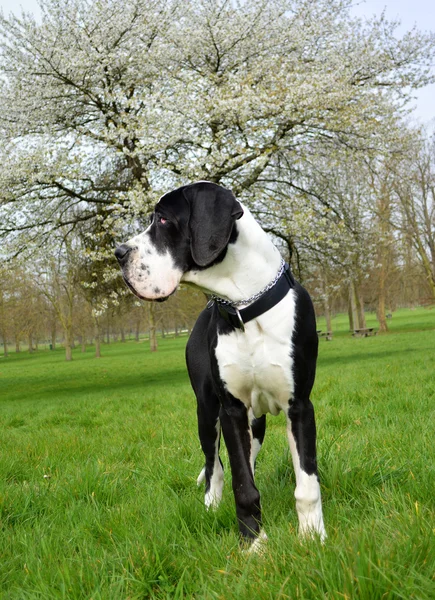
column 98, row 467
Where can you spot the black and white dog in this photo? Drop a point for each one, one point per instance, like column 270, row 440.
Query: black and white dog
column 242, row 362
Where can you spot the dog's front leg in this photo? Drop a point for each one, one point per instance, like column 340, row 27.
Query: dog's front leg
column 238, row 440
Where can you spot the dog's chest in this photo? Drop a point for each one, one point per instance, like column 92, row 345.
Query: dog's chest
column 256, row 365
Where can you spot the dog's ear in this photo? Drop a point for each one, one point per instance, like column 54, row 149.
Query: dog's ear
column 213, row 210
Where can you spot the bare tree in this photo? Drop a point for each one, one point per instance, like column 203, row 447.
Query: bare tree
column 415, row 192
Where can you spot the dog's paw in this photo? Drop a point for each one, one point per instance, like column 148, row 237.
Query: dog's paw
column 258, row 546
column 313, row 533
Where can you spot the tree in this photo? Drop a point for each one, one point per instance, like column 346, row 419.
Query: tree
column 414, row 189
column 105, row 104
column 328, row 220
column 58, row 281
column 5, row 295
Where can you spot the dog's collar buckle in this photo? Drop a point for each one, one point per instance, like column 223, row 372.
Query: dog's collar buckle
column 232, row 315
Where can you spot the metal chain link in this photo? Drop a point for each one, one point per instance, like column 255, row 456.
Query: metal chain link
column 270, row 285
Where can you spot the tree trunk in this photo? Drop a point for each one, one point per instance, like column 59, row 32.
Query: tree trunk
column 122, row 334
column 5, row 346
column 53, row 337
column 153, row 328
column 68, row 346
column 353, row 313
column 360, row 309
column 136, row 334
column 328, row 315
column 383, row 327
column 97, row 345
column 30, row 341
column 327, row 304
column 350, row 315
column 97, row 338
column 385, row 241
column 17, row 344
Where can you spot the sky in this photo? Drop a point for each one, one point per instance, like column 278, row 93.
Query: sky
column 410, row 12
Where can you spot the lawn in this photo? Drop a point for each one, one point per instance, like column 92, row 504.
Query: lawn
column 98, row 467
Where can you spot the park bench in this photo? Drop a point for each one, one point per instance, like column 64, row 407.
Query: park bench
column 326, row 334
column 364, row 332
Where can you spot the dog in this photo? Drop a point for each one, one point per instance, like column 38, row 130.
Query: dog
column 243, row 362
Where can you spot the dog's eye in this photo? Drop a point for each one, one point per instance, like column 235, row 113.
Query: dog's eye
column 162, row 220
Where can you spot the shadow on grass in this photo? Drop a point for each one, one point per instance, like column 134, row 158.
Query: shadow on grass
column 53, row 387
column 369, row 355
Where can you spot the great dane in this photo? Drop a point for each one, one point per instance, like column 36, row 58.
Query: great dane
column 242, row 362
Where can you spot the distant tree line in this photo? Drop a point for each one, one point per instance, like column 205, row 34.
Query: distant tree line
column 53, row 311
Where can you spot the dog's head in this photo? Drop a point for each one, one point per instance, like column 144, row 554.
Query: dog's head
column 190, row 229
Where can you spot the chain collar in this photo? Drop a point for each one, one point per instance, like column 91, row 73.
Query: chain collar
column 212, row 298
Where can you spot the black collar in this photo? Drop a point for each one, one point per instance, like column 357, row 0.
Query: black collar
column 237, row 318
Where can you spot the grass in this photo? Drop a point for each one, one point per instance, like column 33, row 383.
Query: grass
column 99, row 460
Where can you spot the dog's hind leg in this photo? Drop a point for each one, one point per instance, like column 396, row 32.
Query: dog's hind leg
column 301, row 425
column 258, row 428
column 301, row 431
column 209, row 431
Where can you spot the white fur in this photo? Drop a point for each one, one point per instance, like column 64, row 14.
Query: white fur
column 258, row 546
column 256, row 365
column 214, row 494
column 307, row 494
column 201, row 477
column 151, row 274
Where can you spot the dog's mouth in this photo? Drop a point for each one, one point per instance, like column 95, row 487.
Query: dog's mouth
column 136, row 293
column 132, row 289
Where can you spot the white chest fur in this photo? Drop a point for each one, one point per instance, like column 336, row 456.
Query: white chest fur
column 256, row 365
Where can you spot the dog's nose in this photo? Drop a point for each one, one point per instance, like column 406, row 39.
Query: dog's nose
column 122, row 253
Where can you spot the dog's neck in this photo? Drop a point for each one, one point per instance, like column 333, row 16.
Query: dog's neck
column 250, row 264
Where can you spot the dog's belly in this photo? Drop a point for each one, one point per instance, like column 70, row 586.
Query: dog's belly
column 256, row 366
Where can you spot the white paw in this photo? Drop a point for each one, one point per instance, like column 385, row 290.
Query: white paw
column 258, row 546
column 214, row 495
column 313, row 532
column 212, row 500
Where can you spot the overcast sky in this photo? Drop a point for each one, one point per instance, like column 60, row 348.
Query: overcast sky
column 409, row 12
